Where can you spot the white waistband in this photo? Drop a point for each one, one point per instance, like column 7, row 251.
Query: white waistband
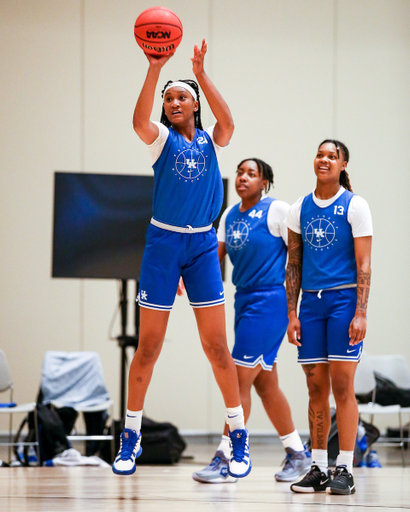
column 341, row 287
column 177, row 229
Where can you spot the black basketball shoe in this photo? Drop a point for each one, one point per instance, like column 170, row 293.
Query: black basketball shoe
column 342, row 482
column 314, row 481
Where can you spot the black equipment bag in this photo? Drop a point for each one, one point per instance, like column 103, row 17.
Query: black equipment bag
column 372, row 434
column 387, row 393
column 52, row 437
column 161, row 443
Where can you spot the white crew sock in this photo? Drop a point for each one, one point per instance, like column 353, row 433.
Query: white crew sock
column 319, row 458
column 345, row 458
column 293, row 441
column 133, row 420
column 224, row 446
column 235, row 418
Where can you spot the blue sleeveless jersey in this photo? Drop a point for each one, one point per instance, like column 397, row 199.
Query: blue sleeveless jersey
column 188, row 188
column 328, row 247
column 257, row 256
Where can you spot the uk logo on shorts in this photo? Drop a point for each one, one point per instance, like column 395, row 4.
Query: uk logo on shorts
column 320, row 233
column 190, row 164
column 237, row 234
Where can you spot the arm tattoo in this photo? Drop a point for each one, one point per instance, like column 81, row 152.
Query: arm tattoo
column 294, row 270
column 363, row 289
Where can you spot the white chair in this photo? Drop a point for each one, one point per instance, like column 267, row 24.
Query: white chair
column 6, row 384
column 76, row 380
column 365, row 383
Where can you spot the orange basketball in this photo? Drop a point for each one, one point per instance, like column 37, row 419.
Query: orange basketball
column 158, row 31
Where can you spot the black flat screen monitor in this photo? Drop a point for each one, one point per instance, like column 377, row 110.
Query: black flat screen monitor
column 100, row 222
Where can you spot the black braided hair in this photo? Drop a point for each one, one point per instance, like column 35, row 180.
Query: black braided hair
column 344, row 179
column 197, row 115
column 265, row 170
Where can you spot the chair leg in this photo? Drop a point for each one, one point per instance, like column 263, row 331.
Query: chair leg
column 403, row 456
column 112, row 430
column 10, row 436
column 37, row 440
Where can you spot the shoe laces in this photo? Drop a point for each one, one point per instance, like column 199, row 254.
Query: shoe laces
column 313, row 473
column 341, row 474
column 215, row 462
column 239, row 447
column 127, row 445
column 288, row 462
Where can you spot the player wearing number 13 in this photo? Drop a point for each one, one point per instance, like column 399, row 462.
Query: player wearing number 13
column 330, row 233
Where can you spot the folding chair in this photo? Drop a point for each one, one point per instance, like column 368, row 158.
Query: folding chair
column 76, row 380
column 395, row 368
column 10, row 408
column 365, row 383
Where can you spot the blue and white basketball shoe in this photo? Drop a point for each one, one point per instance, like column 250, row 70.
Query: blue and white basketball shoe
column 130, row 449
column 216, row 472
column 240, row 463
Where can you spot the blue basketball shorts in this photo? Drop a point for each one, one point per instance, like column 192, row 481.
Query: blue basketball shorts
column 261, row 320
column 168, row 256
column 325, row 318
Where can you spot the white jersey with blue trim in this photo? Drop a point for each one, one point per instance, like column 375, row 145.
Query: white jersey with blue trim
column 255, row 241
column 188, row 188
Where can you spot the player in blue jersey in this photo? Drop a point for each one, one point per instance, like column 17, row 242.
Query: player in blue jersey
column 254, row 236
column 330, row 237
column 181, row 241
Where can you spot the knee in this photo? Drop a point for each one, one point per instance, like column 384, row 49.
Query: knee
column 263, row 391
column 217, row 353
column 317, row 392
column 146, row 354
column 343, row 390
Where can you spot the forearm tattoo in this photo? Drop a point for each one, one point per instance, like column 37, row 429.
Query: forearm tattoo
column 294, row 270
column 363, row 290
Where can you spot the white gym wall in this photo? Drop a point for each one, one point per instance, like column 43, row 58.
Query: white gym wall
column 293, row 73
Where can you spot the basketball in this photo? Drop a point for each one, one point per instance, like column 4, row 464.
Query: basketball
column 158, row 31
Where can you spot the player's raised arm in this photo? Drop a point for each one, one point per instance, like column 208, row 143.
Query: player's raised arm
column 143, row 126
column 224, row 126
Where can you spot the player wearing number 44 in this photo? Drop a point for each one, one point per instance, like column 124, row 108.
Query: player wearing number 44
column 181, row 241
column 254, row 236
column 330, row 236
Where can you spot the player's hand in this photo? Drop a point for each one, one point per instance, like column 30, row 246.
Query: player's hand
column 294, row 330
column 198, row 58
column 181, row 287
column 159, row 61
column 357, row 328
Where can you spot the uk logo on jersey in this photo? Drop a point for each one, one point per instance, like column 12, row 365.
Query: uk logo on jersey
column 237, row 234
column 190, row 164
column 320, row 233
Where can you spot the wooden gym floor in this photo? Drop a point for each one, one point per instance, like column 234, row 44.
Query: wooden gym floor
column 171, row 488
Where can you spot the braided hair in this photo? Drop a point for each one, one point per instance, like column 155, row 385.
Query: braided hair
column 265, row 170
column 197, row 115
column 344, row 179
